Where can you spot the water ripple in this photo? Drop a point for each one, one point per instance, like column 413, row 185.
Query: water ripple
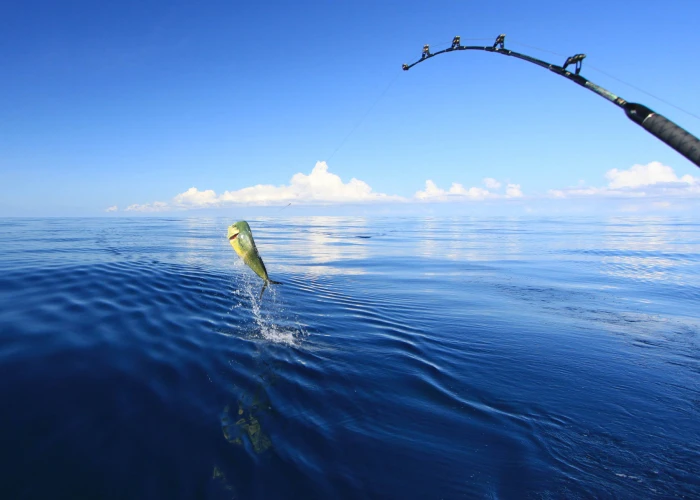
column 418, row 358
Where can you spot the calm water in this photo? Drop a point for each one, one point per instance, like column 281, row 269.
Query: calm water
column 402, row 358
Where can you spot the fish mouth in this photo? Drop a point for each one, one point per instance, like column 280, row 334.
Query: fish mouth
column 231, row 238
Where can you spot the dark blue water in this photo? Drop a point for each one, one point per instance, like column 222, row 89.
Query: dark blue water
column 402, row 358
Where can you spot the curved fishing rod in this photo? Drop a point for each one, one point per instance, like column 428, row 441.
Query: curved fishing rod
column 659, row 126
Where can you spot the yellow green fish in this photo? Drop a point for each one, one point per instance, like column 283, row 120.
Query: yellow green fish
column 241, row 239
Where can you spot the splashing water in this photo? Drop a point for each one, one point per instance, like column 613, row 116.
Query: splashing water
column 271, row 322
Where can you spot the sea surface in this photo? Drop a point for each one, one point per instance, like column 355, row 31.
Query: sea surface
column 408, row 358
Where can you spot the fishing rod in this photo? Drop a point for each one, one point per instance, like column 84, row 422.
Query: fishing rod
column 657, row 125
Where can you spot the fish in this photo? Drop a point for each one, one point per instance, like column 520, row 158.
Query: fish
column 241, row 239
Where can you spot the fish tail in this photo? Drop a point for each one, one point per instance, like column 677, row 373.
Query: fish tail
column 263, row 289
column 275, row 282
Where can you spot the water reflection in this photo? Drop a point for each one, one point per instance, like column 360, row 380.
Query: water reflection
column 320, row 245
column 241, row 423
column 460, row 239
column 647, row 249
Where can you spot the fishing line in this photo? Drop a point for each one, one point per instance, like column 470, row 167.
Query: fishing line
column 588, row 65
column 376, row 101
column 644, row 92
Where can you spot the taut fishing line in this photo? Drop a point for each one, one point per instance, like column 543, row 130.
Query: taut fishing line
column 689, row 113
column 362, row 119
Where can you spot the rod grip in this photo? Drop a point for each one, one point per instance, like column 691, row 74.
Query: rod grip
column 664, row 129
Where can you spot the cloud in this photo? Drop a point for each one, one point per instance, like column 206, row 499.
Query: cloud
column 196, row 198
column 646, row 175
column 639, row 181
column 513, row 191
column 113, row 208
column 156, row 206
column 432, row 192
column 458, row 191
column 320, row 186
column 491, row 183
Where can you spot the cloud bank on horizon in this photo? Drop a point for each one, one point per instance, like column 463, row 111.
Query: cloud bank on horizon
column 324, row 187
column 320, row 186
column 639, row 181
column 458, row 191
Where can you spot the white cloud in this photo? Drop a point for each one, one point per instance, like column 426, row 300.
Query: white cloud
column 491, row 183
column 156, row 206
column 324, row 187
column 513, row 191
column 653, row 179
column 113, row 208
column 196, row 198
column 320, row 186
column 458, row 191
column 431, row 191
column 645, row 175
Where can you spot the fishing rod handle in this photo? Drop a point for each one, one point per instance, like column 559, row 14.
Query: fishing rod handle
column 664, row 129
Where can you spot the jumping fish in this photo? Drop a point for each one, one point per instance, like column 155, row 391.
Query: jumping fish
column 241, row 239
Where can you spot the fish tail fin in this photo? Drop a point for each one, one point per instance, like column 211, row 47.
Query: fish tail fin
column 276, row 282
column 263, row 290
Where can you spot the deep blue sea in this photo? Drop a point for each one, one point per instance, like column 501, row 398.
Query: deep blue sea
column 408, row 358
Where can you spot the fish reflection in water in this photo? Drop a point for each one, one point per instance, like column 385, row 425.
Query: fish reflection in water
column 242, row 423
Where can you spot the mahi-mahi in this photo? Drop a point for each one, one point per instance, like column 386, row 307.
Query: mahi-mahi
column 241, row 239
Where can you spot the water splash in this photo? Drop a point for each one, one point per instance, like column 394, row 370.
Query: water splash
column 272, row 323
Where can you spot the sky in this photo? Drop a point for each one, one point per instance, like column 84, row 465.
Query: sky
column 151, row 107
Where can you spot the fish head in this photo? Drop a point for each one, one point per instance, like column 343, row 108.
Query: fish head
column 240, row 227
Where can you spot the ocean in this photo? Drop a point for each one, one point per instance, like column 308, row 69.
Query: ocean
column 426, row 358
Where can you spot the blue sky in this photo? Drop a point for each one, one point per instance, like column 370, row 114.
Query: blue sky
column 130, row 103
